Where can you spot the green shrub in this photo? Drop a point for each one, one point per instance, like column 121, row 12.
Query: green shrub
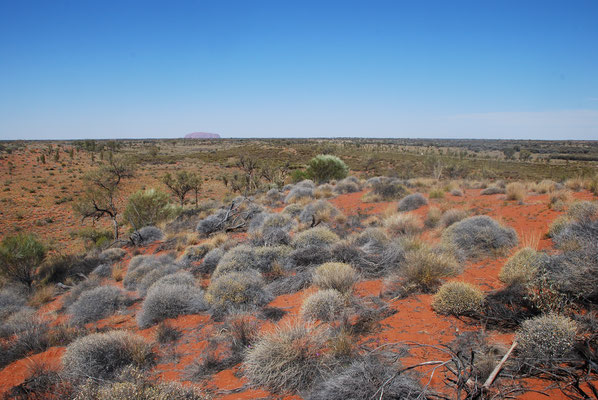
column 288, row 359
column 324, row 305
column 325, row 167
column 148, row 207
column 546, row 338
column 458, row 298
column 334, row 275
column 102, row 356
column 20, row 255
column 299, row 175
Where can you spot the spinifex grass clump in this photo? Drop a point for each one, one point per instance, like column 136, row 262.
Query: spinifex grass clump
column 480, row 236
column 458, row 298
column 288, row 359
column 102, row 356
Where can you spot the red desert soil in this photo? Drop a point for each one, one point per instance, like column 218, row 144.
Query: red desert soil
column 414, row 321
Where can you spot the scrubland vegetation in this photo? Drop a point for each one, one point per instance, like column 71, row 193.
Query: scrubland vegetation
column 313, row 279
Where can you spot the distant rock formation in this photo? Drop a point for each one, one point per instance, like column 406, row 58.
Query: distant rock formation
column 202, row 135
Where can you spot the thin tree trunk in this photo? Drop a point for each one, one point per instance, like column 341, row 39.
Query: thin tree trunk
column 115, row 228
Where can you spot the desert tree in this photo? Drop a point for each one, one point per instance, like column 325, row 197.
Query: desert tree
column 101, row 188
column 182, row 183
column 20, row 255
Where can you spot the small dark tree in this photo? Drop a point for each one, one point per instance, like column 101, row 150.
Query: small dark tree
column 182, row 183
column 20, row 255
column 100, row 192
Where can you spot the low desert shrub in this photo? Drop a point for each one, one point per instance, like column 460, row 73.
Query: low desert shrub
column 76, row 291
column 145, row 270
column 112, row 255
column 239, row 258
column 146, row 235
column 433, row 217
column 212, row 223
column 489, row 191
column 522, row 267
column 458, row 298
column 480, row 236
column 169, row 300
column 305, row 258
column 11, row 300
column 318, row 237
column 449, row 217
column 102, row 271
column 371, row 253
column 403, row 224
column 194, row 254
column 546, row 338
column 288, row 359
column 134, row 383
column 237, row 289
column 516, row 191
column 324, row 191
column 277, row 221
column 292, row 210
column 387, row 189
column 325, row 167
column 154, row 276
column 210, row 261
column 583, row 210
column 291, row 283
column 347, row 185
column 561, row 196
column 242, row 330
column 299, row 193
column 457, row 192
column 269, row 259
column 102, row 356
column 97, row 303
column 318, row 211
column 324, row 305
column 364, row 377
column 436, row 193
column 166, row 333
column 273, row 196
column 30, row 336
column 412, row 202
column 334, row 275
column 424, row 269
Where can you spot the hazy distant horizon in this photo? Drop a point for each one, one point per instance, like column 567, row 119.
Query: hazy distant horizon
column 430, row 69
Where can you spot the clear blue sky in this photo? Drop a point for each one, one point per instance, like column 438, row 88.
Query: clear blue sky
column 483, row 69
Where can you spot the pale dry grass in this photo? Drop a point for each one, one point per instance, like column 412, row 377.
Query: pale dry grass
column 516, row 191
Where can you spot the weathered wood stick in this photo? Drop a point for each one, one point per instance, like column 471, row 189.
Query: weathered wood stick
column 496, row 370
